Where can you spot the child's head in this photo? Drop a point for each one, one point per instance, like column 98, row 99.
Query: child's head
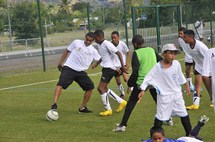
column 169, row 51
column 137, row 41
column 99, row 36
column 157, row 134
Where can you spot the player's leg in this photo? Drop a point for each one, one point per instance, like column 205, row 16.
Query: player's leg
column 87, row 85
column 66, row 78
column 196, row 95
column 201, row 122
column 132, row 101
column 188, row 67
column 120, row 87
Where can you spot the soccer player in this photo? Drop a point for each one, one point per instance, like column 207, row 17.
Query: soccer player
column 111, row 62
column 157, row 133
column 143, row 59
column 166, row 76
column 187, row 58
column 208, row 73
column 74, row 61
column 197, row 50
column 123, row 49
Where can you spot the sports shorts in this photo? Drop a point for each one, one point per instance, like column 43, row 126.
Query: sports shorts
column 108, row 74
column 69, row 75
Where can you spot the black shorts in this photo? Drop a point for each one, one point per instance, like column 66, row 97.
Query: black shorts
column 186, row 63
column 108, row 74
column 196, row 72
column 69, row 75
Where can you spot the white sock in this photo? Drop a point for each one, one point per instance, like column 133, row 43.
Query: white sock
column 189, row 80
column 105, row 101
column 196, row 100
column 121, row 89
column 114, row 96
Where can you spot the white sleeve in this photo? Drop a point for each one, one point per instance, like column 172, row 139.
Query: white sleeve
column 96, row 55
column 203, row 49
column 72, row 46
column 149, row 78
column 207, row 64
column 111, row 47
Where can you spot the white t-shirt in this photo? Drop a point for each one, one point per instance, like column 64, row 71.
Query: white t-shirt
column 81, row 56
column 198, row 53
column 166, row 81
column 107, row 52
column 209, row 69
column 188, row 58
column 123, row 49
column 189, row 139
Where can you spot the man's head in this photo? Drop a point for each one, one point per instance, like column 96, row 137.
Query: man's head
column 115, row 37
column 89, row 38
column 157, row 134
column 99, row 36
column 189, row 36
column 137, row 41
column 181, row 32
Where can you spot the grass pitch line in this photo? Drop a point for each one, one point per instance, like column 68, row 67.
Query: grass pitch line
column 38, row 83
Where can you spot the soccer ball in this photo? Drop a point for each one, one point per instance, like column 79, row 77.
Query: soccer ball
column 52, row 115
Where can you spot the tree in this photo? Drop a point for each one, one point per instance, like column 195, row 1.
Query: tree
column 3, row 14
column 25, row 19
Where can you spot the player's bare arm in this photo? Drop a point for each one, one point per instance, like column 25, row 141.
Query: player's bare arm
column 96, row 63
column 124, row 69
column 62, row 59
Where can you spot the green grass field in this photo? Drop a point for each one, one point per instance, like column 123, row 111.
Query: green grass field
column 25, row 99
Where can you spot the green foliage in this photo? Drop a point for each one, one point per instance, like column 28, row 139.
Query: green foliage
column 25, row 19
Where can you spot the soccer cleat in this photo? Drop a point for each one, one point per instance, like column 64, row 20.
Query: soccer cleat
column 192, row 88
column 119, row 129
column 106, row 113
column 84, row 110
column 211, row 105
column 121, row 106
column 192, row 107
column 203, row 119
column 54, row 107
column 168, row 122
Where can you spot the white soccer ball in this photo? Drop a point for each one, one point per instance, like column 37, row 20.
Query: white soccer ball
column 52, row 115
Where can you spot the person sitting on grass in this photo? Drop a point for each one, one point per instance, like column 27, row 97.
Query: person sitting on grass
column 157, row 133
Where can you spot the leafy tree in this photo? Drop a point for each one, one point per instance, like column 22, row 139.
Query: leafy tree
column 25, row 19
column 3, row 14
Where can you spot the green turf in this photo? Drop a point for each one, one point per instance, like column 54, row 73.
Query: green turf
column 23, row 110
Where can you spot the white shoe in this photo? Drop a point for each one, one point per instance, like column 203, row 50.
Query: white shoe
column 119, row 128
column 168, row 122
column 203, row 119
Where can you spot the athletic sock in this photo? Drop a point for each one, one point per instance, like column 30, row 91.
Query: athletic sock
column 196, row 99
column 105, row 101
column 114, row 96
column 189, row 80
column 186, row 124
column 121, row 89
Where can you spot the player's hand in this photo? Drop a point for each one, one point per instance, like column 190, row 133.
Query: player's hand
column 188, row 91
column 124, row 69
column 141, row 94
column 94, row 66
column 59, row 66
column 119, row 71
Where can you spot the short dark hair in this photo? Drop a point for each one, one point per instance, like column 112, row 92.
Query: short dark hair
column 99, row 33
column 189, row 32
column 138, row 39
column 157, row 129
column 90, row 34
column 183, row 29
column 115, row 32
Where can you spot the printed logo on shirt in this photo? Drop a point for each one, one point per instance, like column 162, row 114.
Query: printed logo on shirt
column 212, row 55
column 174, row 77
column 79, row 49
